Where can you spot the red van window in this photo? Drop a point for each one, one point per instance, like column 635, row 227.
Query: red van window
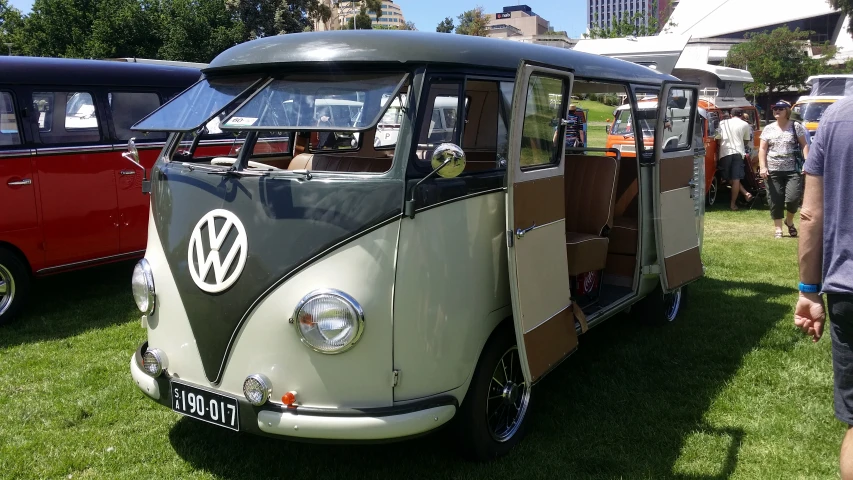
column 66, row 117
column 128, row 108
column 9, row 134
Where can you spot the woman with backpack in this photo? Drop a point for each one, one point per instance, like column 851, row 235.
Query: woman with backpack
column 781, row 155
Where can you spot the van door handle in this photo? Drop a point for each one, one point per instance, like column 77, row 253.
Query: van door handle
column 127, row 172
column 25, row 181
column 520, row 232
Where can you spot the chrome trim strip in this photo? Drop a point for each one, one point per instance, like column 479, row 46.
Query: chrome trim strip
column 78, row 149
column 26, row 152
column 95, row 260
column 140, row 146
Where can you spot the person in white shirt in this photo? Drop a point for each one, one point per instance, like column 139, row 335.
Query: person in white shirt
column 733, row 133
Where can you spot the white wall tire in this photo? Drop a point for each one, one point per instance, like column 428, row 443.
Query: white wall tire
column 660, row 308
column 14, row 285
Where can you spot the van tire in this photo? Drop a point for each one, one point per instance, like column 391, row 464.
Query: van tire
column 658, row 308
column 476, row 438
column 14, row 285
column 713, row 191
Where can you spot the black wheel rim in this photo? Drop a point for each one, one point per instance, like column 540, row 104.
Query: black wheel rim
column 7, row 289
column 672, row 304
column 508, row 397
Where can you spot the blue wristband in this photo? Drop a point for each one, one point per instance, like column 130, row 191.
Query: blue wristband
column 809, row 287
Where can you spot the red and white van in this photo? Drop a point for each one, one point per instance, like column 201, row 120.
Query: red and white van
column 69, row 200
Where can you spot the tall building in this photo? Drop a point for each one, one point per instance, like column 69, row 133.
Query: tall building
column 517, row 20
column 342, row 10
column 603, row 13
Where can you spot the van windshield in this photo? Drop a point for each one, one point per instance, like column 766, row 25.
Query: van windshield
column 321, row 102
column 812, row 112
column 197, row 105
column 623, row 123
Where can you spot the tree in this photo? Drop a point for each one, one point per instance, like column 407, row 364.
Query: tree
column 197, row 30
column 778, row 60
column 125, row 28
column 445, row 26
column 262, row 18
column 408, row 26
column 474, row 22
column 10, row 25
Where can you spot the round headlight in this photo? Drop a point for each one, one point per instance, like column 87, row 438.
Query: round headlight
column 257, row 389
column 330, row 321
column 153, row 362
column 142, row 284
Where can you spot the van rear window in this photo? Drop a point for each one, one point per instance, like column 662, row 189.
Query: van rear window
column 9, row 134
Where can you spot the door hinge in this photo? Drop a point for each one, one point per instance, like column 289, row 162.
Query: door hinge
column 509, row 240
column 395, row 378
column 653, row 269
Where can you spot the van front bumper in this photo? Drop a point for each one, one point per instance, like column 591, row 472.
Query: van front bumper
column 323, row 424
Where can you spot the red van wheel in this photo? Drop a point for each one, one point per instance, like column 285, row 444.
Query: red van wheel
column 14, row 285
column 712, row 191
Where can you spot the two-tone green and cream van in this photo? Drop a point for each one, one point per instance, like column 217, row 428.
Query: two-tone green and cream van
column 367, row 293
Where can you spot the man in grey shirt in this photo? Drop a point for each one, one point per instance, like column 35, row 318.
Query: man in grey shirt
column 826, row 256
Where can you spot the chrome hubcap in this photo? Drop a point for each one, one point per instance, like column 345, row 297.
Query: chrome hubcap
column 7, row 289
column 712, row 192
column 508, row 397
column 672, row 302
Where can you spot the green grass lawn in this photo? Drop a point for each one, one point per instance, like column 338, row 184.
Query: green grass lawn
column 730, row 390
column 598, row 112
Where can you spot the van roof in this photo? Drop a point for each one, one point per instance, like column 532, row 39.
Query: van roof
column 411, row 47
column 48, row 71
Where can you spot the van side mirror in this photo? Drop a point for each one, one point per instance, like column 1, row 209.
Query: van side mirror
column 132, row 155
column 448, row 161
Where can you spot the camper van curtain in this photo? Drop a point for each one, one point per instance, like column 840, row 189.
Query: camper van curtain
column 206, row 102
column 840, row 87
column 336, row 102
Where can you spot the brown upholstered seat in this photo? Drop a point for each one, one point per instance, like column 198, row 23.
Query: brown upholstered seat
column 590, row 191
column 623, row 236
column 339, row 163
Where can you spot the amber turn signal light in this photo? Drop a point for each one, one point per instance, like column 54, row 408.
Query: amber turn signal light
column 289, row 398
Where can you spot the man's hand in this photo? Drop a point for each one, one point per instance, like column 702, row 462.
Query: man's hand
column 809, row 315
column 763, row 172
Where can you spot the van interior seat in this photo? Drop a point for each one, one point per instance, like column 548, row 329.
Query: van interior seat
column 590, row 192
column 324, row 162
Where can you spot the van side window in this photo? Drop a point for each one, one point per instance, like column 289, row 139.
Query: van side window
column 128, row 108
column 539, row 142
column 66, row 117
column 9, row 134
column 677, row 135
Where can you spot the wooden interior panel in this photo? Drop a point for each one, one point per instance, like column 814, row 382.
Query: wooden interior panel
column 539, row 201
column 683, row 267
column 550, row 342
column 675, row 172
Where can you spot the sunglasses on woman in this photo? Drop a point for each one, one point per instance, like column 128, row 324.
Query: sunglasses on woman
column 778, row 109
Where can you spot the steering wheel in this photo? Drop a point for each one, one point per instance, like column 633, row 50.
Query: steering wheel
column 252, row 165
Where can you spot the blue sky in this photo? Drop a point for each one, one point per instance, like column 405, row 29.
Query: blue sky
column 565, row 15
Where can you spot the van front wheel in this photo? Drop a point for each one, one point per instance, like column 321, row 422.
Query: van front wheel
column 493, row 416
column 14, row 285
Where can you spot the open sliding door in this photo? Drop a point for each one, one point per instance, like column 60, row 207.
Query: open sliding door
column 536, row 218
column 676, row 186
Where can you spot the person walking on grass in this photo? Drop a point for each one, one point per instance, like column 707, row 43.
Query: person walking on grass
column 826, row 257
column 733, row 134
column 781, row 142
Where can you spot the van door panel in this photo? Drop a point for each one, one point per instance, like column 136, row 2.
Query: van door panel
column 536, row 223
column 79, row 206
column 676, row 187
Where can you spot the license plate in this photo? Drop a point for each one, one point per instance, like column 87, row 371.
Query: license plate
column 205, row 405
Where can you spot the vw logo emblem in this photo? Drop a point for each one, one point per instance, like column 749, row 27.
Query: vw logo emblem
column 221, row 261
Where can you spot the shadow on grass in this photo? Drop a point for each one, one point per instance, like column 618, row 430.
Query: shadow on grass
column 66, row 304
column 629, row 404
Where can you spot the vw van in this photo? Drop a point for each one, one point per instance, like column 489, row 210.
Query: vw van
column 380, row 294
column 824, row 91
column 68, row 198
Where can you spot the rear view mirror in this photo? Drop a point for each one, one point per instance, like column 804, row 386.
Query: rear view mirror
column 132, row 155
